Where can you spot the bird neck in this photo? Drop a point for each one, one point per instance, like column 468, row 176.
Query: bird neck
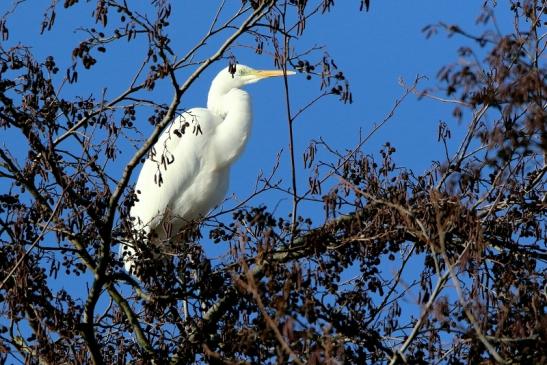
column 223, row 99
column 231, row 135
column 215, row 102
column 217, row 99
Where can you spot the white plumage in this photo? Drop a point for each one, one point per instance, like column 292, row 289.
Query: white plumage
column 187, row 171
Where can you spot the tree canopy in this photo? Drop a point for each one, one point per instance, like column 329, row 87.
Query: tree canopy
column 395, row 265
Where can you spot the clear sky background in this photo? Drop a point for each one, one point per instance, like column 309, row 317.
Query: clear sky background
column 374, row 50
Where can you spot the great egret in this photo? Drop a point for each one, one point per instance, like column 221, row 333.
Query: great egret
column 186, row 172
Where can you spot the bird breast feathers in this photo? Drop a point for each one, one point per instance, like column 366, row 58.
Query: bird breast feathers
column 173, row 163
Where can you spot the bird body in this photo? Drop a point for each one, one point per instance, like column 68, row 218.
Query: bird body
column 187, row 176
column 186, row 173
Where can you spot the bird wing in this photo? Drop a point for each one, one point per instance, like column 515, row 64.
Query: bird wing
column 172, row 165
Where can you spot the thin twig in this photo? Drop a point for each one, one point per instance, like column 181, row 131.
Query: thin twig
column 35, row 242
column 250, row 287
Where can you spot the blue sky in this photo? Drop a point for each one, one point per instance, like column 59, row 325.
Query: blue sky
column 374, row 50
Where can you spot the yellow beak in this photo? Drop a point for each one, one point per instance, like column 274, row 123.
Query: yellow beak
column 272, row 73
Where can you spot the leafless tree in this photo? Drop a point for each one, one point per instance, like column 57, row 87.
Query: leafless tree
column 467, row 235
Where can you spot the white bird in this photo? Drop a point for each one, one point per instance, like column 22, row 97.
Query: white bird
column 187, row 171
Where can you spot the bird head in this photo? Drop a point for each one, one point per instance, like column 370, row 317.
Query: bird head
column 237, row 76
